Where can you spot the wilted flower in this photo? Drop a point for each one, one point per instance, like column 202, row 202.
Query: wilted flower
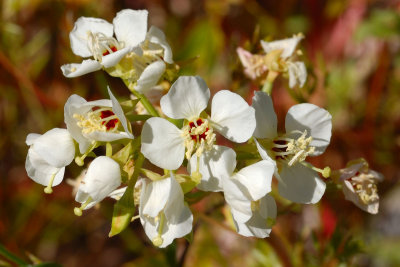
column 308, row 133
column 162, row 211
column 102, row 178
column 93, row 121
column 359, row 185
column 279, row 58
column 48, row 155
column 164, row 144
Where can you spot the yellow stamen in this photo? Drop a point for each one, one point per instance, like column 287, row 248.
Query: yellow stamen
column 78, row 211
column 48, row 189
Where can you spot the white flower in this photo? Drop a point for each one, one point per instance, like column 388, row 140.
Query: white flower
column 162, row 211
column 102, row 178
column 48, row 155
column 93, row 37
column 246, row 193
column 93, row 121
column 164, row 144
column 359, row 185
column 279, row 58
column 308, row 133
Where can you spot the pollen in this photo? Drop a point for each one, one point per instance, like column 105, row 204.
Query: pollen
column 98, row 119
column 199, row 137
column 365, row 187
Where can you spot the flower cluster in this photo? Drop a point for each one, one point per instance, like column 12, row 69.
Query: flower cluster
column 185, row 137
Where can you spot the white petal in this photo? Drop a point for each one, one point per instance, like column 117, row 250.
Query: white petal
column 102, row 177
column 214, row 164
column 79, row 34
column 56, row 147
column 317, row 121
column 118, row 193
column 351, row 195
column 264, row 155
column 162, row 143
column 297, row 74
column 268, row 207
column 301, row 184
column 74, row 70
column 182, row 227
column 286, row 45
column 117, row 109
column 114, row 58
column 40, row 171
column 130, row 26
column 150, row 76
column 237, row 197
column 155, row 197
column 72, row 106
column 107, row 136
column 258, row 225
column 256, row 178
column 31, row 138
column 155, row 35
column 232, row 116
column 265, row 116
column 186, row 99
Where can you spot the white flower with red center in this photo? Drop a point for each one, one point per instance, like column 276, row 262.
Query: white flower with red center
column 100, row 120
column 279, row 58
column 308, row 133
column 162, row 210
column 93, row 37
column 135, row 55
column 101, row 179
column 359, row 185
column 164, row 144
column 48, row 155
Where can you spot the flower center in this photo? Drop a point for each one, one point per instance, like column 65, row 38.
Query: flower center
column 364, row 185
column 199, row 136
column 98, row 119
column 292, row 150
column 101, row 45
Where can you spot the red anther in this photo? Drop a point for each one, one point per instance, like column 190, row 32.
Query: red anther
column 113, row 48
column 111, row 123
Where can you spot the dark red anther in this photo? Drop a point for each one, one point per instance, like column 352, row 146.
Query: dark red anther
column 111, row 123
column 113, row 48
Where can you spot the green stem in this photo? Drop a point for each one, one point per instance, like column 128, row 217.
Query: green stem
column 146, row 103
column 138, row 167
column 8, row 255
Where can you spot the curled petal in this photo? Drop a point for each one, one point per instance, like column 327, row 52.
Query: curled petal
column 232, row 116
column 297, row 74
column 186, row 99
column 155, row 35
column 286, row 45
column 150, row 76
column 75, row 70
column 117, row 109
column 114, row 58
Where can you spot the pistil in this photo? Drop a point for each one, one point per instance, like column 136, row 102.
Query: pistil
column 48, row 189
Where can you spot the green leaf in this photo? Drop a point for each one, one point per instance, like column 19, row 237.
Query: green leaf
column 152, row 175
column 136, row 117
column 186, row 182
column 123, row 212
column 123, row 155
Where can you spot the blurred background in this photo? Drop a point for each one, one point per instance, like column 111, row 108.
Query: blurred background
column 352, row 54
